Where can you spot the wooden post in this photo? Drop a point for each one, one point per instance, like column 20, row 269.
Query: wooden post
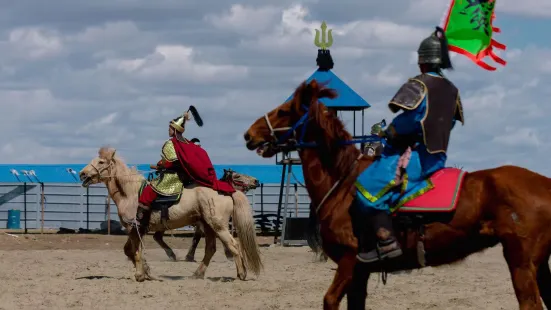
column 296, row 200
column 108, row 208
column 25, row 204
column 42, row 200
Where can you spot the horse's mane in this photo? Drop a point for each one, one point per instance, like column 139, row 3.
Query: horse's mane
column 332, row 154
column 127, row 179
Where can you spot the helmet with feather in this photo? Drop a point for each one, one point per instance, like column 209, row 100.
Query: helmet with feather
column 179, row 123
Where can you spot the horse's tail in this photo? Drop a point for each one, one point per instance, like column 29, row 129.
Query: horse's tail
column 313, row 236
column 244, row 225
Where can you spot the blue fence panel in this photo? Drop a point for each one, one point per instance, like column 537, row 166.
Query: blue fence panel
column 69, row 205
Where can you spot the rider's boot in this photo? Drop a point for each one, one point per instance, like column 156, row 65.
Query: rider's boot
column 387, row 246
column 143, row 216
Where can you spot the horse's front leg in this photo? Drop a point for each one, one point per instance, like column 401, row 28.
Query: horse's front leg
column 341, row 282
column 158, row 237
column 357, row 293
column 137, row 251
column 129, row 251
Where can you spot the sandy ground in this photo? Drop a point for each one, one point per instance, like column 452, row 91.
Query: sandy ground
column 91, row 272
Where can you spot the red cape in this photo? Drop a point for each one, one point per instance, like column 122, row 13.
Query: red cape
column 196, row 163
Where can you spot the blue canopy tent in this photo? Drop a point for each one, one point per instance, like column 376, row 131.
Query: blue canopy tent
column 348, row 99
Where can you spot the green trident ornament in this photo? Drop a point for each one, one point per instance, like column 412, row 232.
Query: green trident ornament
column 323, row 44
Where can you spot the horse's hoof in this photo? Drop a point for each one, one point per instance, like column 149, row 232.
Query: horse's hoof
column 198, row 276
column 230, row 258
column 172, row 257
column 190, row 259
column 242, row 277
column 140, row 277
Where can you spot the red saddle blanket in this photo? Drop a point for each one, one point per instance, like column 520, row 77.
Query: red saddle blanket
column 196, row 162
column 442, row 197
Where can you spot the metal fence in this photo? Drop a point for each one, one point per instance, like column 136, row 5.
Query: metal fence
column 71, row 206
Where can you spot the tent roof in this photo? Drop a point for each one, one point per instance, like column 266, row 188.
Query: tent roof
column 347, row 100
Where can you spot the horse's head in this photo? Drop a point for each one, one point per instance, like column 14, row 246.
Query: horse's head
column 98, row 169
column 280, row 129
column 240, row 181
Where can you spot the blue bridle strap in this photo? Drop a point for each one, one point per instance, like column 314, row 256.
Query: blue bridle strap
column 304, row 121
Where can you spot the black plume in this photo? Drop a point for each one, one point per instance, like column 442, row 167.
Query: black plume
column 196, row 116
column 446, row 61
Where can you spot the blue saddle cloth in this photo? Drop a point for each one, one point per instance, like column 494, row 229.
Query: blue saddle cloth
column 377, row 189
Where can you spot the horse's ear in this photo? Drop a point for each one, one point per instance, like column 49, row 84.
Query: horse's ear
column 307, row 93
column 313, row 84
column 113, row 155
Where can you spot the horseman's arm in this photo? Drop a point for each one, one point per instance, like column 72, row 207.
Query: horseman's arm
column 168, row 152
column 406, row 123
column 168, row 156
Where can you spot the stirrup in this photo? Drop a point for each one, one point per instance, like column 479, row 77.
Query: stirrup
column 375, row 255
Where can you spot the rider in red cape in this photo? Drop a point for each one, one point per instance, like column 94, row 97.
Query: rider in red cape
column 196, row 163
column 181, row 161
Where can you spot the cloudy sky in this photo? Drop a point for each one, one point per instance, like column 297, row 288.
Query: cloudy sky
column 75, row 75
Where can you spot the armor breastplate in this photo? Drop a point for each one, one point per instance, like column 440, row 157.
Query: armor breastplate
column 443, row 105
column 168, row 182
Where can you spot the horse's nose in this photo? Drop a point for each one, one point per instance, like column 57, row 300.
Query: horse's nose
column 257, row 183
column 82, row 175
column 247, row 136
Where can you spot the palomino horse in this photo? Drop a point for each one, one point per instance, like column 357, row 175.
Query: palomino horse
column 508, row 205
column 202, row 204
column 240, row 182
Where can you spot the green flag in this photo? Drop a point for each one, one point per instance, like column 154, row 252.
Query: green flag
column 468, row 25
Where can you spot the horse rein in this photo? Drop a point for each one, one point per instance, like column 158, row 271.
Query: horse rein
column 292, row 131
column 340, row 181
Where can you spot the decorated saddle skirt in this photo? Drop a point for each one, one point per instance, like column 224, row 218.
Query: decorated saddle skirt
column 381, row 187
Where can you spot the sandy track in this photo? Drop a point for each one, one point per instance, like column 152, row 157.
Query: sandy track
column 87, row 272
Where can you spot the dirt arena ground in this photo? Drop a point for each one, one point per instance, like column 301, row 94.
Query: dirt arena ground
column 91, row 272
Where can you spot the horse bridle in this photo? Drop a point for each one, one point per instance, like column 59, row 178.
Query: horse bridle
column 99, row 171
column 242, row 185
column 303, row 121
column 291, row 133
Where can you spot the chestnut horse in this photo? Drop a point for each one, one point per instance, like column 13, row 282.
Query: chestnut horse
column 508, row 205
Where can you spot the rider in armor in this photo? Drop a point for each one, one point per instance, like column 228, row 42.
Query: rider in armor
column 417, row 142
column 171, row 174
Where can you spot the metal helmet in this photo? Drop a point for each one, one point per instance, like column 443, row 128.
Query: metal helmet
column 434, row 50
column 179, row 123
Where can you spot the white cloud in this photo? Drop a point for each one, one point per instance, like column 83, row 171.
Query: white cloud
column 537, row 8
column 519, row 137
column 388, row 76
column 294, row 34
column 245, row 20
column 117, row 72
column 99, row 123
column 175, row 62
column 115, row 32
column 427, row 10
column 34, row 43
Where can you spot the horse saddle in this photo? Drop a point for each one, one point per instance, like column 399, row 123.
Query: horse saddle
column 163, row 203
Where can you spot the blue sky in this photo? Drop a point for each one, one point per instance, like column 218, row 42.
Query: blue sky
column 77, row 75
